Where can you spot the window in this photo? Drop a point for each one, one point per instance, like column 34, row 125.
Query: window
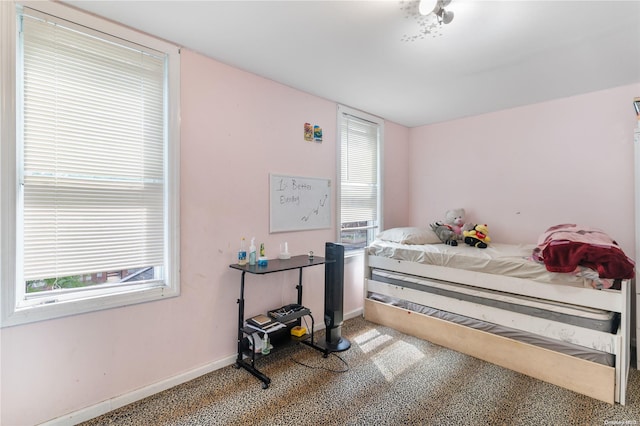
column 93, row 191
column 360, row 176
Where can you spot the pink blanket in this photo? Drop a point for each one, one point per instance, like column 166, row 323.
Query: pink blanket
column 562, row 248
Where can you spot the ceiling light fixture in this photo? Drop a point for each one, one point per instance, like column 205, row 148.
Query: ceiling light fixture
column 428, row 14
column 436, row 7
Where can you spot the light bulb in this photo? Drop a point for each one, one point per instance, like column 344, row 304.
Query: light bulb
column 427, row 6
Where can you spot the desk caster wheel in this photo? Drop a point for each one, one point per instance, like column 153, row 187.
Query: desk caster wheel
column 265, row 386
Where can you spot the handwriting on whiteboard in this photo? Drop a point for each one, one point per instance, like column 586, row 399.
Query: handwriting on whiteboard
column 298, row 203
column 321, row 203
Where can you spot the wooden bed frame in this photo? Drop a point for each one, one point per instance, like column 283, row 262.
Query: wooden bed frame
column 589, row 378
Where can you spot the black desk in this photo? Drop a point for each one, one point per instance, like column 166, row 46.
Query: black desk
column 273, row 265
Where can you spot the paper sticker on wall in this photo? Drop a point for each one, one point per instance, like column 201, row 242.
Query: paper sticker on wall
column 308, row 132
column 317, row 133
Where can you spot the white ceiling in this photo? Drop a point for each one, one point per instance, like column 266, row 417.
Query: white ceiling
column 494, row 55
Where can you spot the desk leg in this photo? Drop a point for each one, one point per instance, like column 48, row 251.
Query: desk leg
column 299, row 287
column 240, row 320
column 240, row 362
column 311, row 342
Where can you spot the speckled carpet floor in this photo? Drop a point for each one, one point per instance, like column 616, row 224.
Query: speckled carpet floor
column 390, row 379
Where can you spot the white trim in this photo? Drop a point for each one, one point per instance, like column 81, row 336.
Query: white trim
column 104, row 407
column 341, row 110
column 636, row 156
column 10, row 314
column 47, row 311
column 97, row 23
column 7, row 155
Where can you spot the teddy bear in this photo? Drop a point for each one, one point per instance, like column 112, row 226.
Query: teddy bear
column 450, row 230
column 454, row 218
column 478, row 236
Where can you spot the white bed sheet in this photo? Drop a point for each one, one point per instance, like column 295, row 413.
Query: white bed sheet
column 511, row 260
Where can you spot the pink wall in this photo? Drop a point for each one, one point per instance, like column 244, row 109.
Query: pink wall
column 396, row 176
column 236, row 128
column 525, row 169
column 519, row 170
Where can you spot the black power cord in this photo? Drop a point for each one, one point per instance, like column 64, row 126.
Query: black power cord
column 313, row 367
column 344, row 370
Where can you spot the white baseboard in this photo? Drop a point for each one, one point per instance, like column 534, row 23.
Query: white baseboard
column 353, row 314
column 104, row 407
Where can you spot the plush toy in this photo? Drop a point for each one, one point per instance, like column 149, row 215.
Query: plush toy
column 450, row 231
column 445, row 233
column 455, row 220
column 478, row 236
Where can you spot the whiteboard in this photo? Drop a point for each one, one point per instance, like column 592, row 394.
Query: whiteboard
column 299, row 203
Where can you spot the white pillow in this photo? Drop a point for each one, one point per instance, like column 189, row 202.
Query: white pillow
column 409, row 235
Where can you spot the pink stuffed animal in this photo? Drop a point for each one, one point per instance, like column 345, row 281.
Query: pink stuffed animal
column 455, row 220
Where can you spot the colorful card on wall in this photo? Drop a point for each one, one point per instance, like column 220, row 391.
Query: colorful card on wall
column 308, row 132
column 317, row 133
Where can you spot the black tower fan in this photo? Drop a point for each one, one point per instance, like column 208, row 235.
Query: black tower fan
column 333, row 299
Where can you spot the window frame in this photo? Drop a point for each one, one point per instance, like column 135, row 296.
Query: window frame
column 345, row 110
column 11, row 313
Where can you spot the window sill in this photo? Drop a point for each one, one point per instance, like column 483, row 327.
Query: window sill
column 48, row 311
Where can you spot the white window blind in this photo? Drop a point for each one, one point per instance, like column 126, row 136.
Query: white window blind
column 93, row 151
column 359, row 170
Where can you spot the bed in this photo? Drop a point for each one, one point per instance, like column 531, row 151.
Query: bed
column 501, row 305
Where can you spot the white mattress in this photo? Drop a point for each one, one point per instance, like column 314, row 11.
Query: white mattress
column 499, row 259
column 595, row 319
